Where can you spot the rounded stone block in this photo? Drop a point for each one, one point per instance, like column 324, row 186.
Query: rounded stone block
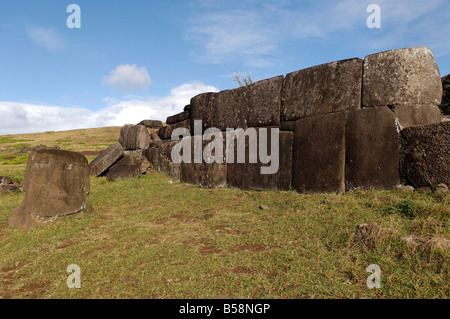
column 401, row 77
column 56, row 185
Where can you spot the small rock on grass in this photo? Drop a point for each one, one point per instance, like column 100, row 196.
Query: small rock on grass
column 264, row 207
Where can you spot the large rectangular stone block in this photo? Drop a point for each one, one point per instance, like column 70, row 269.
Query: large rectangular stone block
column 426, row 155
column 106, row 159
column 407, row 76
column 204, row 174
column 180, row 117
column 318, row 163
column 230, row 108
column 414, row 115
column 322, row 89
column 249, row 176
column 134, row 137
column 201, row 109
column 165, row 132
column 372, row 149
column 165, row 162
column 152, row 154
column 265, row 102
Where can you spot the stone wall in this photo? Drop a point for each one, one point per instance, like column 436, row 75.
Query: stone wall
column 339, row 125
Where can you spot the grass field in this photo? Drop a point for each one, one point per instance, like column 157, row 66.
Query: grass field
column 153, row 237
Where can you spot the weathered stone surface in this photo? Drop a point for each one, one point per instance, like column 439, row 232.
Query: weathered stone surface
column 372, row 149
column 56, row 185
column 120, row 172
column 165, row 132
column 230, row 108
column 441, row 189
column 205, row 174
column 407, row 76
column 445, row 104
column 165, row 163
column 287, row 126
column 318, row 163
column 132, row 159
column 134, row 137
column 409, row 115
column 7, row 185
column 426, row 154
column 106, row 159
column 265, row 102
column 180, row 117
column 152, row 154
column 405, row 189
column 152, row 124
column 248, row 175
column 322, row 89
column 155, row 140
column 201, row 109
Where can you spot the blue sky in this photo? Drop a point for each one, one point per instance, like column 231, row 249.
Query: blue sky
column 143, row 59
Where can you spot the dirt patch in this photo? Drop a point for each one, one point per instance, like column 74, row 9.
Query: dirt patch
column 208, row 250
column 252, row 247
column 34, row 290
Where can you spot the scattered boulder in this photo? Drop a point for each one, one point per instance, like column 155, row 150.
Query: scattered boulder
column 407, row 76
column 365, row 236
column 425, row 155
column 151, row 124
column 441, row 189
column 405, row 189
column 106, row 159
column 7, row 185
column 56, row 185
column 427, row 244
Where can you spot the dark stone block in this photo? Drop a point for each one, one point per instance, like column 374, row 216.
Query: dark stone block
column 165, row 163
column 414, row 115
column 372, row 149
column 287, row 126
column 151, row 124
column 322, row 89
column 318, row 163
column 407, row 76
column 152, row 154
column 426, row 155
column 445, row 104
column 121, row 172
column 180, row 117
column 106, row 159
column 165, row 132
column 207, row 175
column 248, row 175
column 201, row 109
column 230, row 108
column 265, row 102
column 134, row 137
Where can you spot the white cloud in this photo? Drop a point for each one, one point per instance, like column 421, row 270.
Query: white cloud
column 45, row 37
column 128, row 77
column 18, row 118
column 254, row 32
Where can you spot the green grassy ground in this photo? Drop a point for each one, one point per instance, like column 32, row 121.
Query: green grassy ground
column 155, row 238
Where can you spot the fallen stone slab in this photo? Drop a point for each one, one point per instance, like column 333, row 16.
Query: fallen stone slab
column 132, row 159
column 426, row 154
column 372, row 149
column 407, row 76
column 121, row 172
column 249, row 176
column 151, row 124
column 265, row 102
column 134, row 137
column 319, row 154
column 56, row 185
column 322, row 89
column 106, row 159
